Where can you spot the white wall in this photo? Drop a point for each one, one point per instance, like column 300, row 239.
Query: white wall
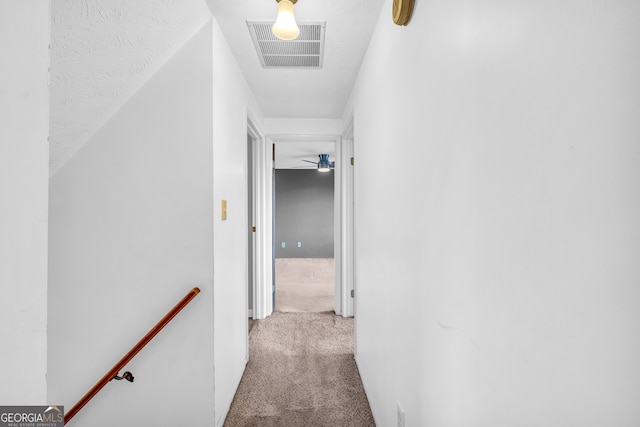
column 24, row 170
column 232, row 101
column 130, row 234
column 497, row 251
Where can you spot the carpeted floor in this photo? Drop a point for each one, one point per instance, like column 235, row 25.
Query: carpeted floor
column 305, row 284
column 301, row 373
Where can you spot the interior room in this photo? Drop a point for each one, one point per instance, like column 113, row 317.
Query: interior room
column 304, row 227
column 486, row 205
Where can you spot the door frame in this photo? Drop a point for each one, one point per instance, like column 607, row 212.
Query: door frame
column 258, row 237
column 347, row 219
column 263, row 203
column 251, row 215
column 343, row 226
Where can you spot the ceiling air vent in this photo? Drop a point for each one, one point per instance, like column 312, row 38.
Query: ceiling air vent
column 304, row 52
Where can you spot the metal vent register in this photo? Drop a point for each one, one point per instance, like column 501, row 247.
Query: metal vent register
column 306, row 51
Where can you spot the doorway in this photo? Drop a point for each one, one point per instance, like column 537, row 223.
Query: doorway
column 304, row 232
column 265, row 239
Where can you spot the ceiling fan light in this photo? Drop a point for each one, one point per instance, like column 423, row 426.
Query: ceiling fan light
column 324, row 165
column 285, row 27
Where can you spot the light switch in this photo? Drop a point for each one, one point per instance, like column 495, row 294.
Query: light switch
column 283, row 244
column 224, row 210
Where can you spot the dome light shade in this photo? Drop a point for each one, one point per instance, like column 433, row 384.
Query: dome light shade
column 285, row 27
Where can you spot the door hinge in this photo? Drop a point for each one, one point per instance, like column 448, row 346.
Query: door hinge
column 353, row 161
column 253, row 228
column 352, row 292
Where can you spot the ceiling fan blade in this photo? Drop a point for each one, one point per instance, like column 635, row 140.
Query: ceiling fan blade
column 309, row 161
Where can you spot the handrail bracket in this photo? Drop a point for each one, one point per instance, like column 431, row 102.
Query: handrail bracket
column 126, row 376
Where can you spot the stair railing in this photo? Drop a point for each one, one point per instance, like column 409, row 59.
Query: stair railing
column 113, row 373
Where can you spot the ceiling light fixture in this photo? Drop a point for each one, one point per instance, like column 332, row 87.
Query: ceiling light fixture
column 285, row 27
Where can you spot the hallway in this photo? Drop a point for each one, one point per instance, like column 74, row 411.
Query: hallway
column 301, row 372
column 495, row 155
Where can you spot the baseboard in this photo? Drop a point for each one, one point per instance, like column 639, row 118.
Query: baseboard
column 250, row 313
column 364, row 386
column 222, row 419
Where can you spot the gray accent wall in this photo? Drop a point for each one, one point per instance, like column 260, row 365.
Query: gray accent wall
column 304, row 213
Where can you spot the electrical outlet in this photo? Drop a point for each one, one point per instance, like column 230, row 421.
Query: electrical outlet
column 299, row 244
column 400, row 413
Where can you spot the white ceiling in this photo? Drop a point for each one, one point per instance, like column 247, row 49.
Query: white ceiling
column 103, row 51
column 303, row 93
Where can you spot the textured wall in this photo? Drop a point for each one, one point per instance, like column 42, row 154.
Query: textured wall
column 304, row 213
column 102, row 52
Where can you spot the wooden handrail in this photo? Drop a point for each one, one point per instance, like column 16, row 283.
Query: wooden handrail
column 131, row 354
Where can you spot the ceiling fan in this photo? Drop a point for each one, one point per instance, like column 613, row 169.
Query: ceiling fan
column 324, row 165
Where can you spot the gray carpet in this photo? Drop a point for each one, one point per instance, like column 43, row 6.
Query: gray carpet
column 301, row 372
